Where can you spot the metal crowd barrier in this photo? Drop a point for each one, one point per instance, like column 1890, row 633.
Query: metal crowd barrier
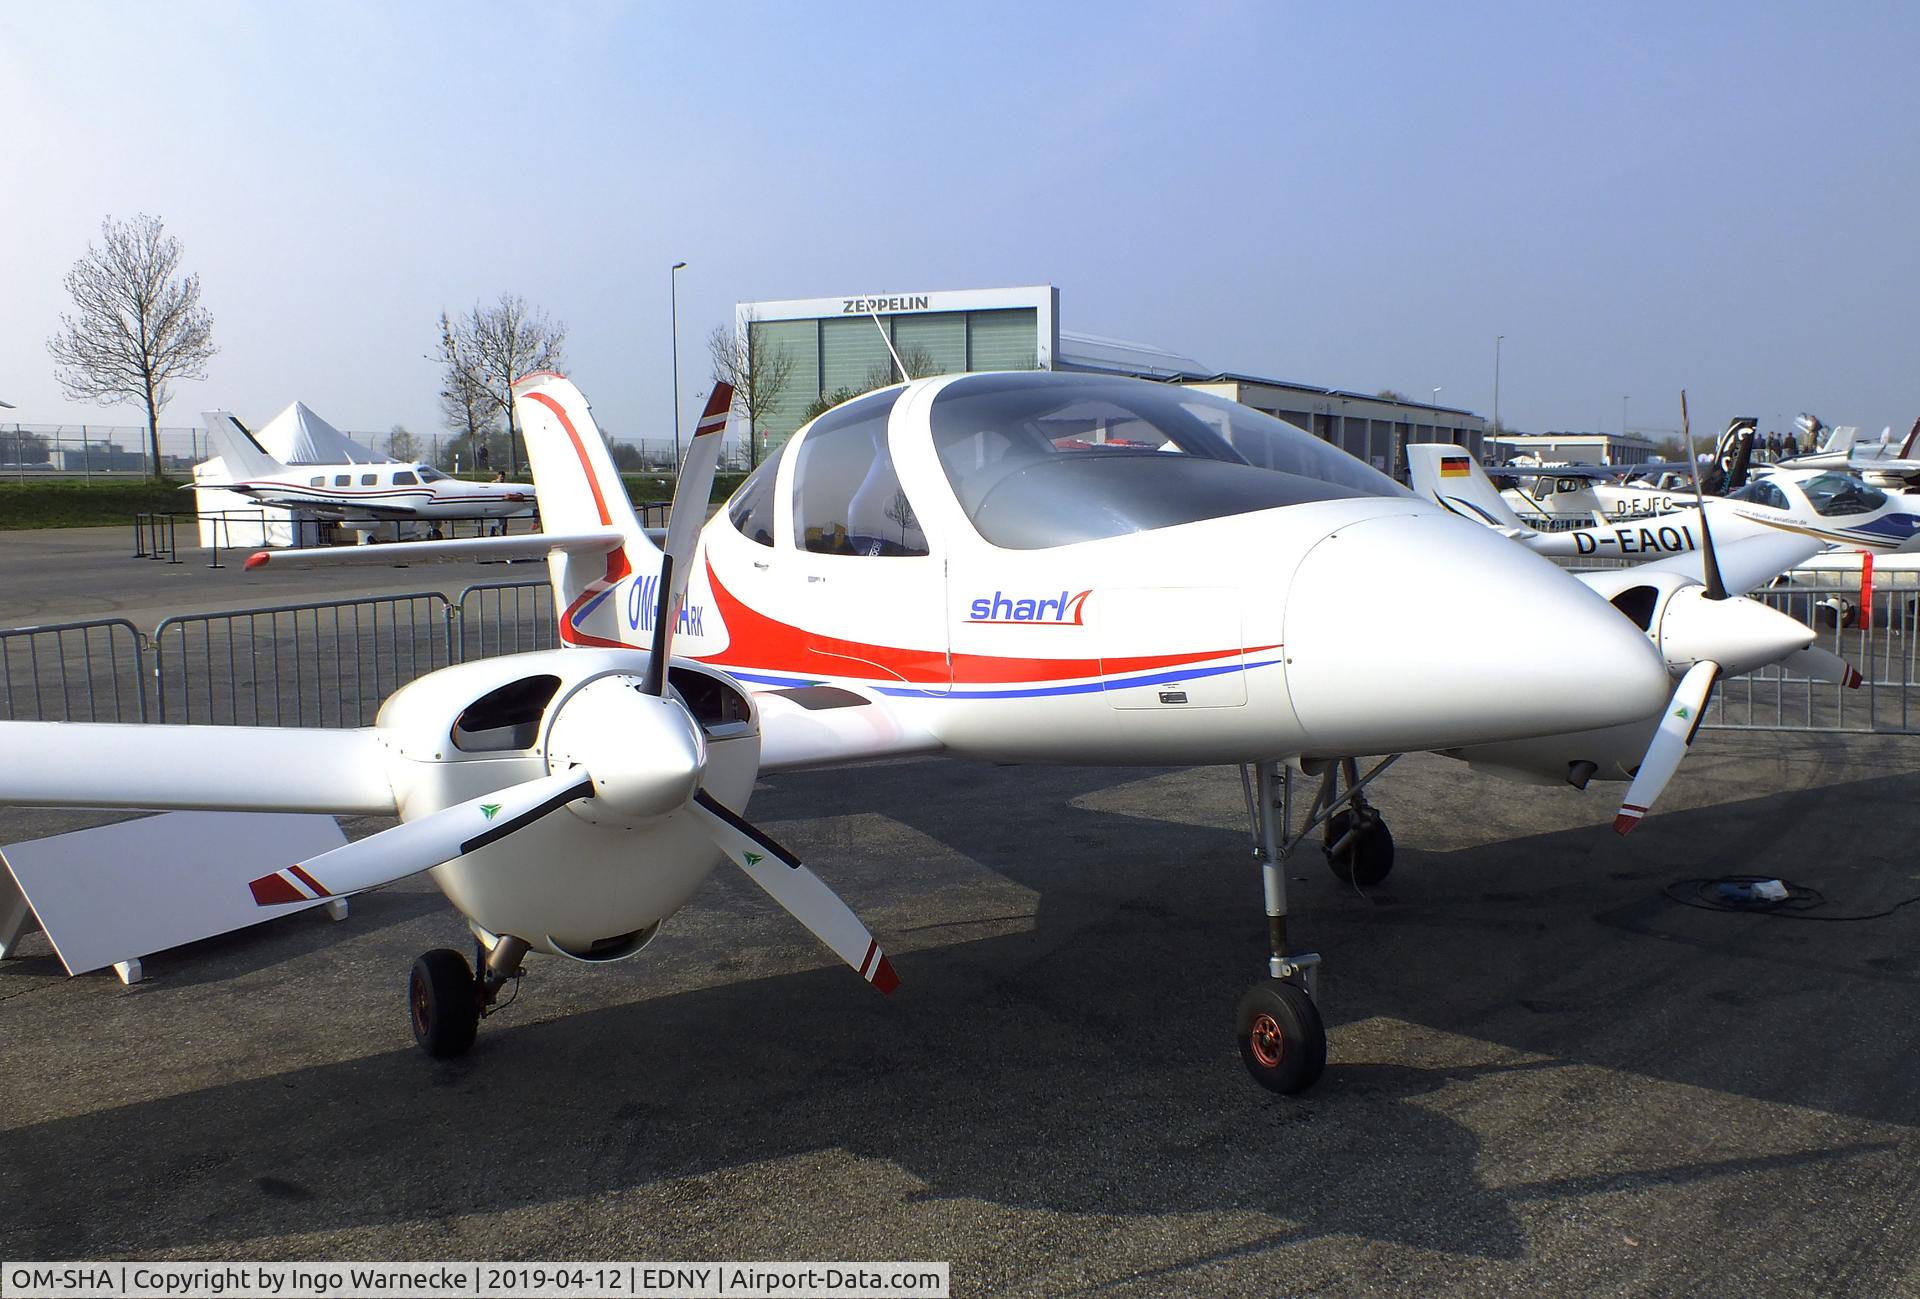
column 505, row 618
column 326, row 664
column 92, row 671
column 1877, row 637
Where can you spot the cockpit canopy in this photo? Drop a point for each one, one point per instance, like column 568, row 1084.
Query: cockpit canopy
column 1830, row 495
column 1042, row 459
column 1046, row 459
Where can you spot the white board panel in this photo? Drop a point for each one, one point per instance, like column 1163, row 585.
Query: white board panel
column 133, row 888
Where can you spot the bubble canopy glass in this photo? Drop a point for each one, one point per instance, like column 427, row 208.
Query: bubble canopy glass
column 1047, row 459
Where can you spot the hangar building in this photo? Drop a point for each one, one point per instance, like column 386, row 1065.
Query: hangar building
column 832, row 344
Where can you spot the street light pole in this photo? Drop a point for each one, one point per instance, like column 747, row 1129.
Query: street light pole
column 673, row 307
column 1498, row 339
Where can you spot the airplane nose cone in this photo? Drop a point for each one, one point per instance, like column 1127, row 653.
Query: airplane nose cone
column 1739, row 634
column 1427, row 632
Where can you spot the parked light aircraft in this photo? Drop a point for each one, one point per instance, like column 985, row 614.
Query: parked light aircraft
column 1031, row 567
column 359, row 496
column 1834, row 509
column 1570, row 496
column 1882, row 464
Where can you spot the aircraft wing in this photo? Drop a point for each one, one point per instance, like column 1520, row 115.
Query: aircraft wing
column 825, row 726
column 1747, row 563
column 325, row 509
column 528, row 545
column 212, row 768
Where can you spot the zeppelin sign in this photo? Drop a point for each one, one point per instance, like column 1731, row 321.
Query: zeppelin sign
column 861, row 306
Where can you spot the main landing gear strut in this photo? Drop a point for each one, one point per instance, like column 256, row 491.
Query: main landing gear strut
column 446, row 1000
column 1282, row 1040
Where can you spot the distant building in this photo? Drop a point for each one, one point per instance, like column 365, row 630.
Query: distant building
column 834, row 345
column 1575, row 448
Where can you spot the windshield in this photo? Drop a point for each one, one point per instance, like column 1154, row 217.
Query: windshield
column 1832, row 494
column 431, row 475
column 1046, row 459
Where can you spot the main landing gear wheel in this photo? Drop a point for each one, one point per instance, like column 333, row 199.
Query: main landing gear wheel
column 443, row 1000
column 1282, row 1041
column 1366, row 857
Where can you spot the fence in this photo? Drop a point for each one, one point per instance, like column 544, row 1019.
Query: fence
column 327, row 664
column 73, row 672
column 35, row 451
column 1877, row 638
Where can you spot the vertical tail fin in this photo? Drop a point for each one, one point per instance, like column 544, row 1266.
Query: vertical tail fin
column 1447, row 475
column 579, row 490
column 244, row 458
column 579, row 487
column 1731, row 459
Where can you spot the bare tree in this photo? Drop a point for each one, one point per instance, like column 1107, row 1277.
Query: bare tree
column 486, row 350
column 402, row 445
column 758, row 380
column 138, row 324
column 464, row 409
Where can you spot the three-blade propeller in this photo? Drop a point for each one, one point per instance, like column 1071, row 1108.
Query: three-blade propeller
column 611, row 771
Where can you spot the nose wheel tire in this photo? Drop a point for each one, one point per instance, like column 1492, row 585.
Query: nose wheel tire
column 1282, row 1040
column 443, row 1001
column 1368, row 858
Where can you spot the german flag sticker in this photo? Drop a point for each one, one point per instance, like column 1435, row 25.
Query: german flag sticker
column 1454, row 467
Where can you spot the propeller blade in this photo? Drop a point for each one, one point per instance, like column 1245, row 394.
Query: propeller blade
column 685, row 517
column 1669, row 745
column 1821, row 665
column 1716, row 588
column 804, row 894
column 422, row 843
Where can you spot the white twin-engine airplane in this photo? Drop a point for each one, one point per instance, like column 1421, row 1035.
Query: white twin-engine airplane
column 360, row 496
column 1027, row 567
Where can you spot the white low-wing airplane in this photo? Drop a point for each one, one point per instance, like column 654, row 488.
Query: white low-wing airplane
column 358, row 495
column 1031, row 567
column 1831, row 508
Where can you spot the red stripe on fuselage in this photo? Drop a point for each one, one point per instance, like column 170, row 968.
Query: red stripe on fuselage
column 757, row 641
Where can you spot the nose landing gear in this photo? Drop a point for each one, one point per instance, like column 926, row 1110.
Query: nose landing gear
column 1283, row 1041
column 446, row 1001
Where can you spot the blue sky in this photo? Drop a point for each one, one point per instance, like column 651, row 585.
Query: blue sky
column 1639, row 197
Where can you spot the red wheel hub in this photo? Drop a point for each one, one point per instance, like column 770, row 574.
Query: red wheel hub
column 1268, row 1042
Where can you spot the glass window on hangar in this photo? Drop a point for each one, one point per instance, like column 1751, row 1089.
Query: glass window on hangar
column 846, row 352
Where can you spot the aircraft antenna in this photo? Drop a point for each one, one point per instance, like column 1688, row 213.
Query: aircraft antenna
column 904, row 373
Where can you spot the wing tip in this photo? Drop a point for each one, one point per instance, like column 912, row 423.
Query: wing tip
column 258, row 559
column 274, row 890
